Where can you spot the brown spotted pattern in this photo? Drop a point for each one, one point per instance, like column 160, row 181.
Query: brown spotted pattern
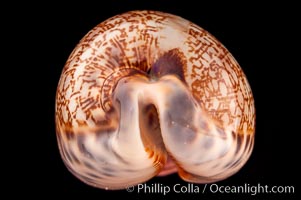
column 147, row 93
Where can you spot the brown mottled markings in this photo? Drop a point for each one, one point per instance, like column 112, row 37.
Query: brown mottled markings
column 92, row 175
column 153, row 45
column 88, row 165
column 239, row 142
column 70, row 135
column 72, row 156
column 81, row 146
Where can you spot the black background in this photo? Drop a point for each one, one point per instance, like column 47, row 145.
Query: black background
column 261, row 37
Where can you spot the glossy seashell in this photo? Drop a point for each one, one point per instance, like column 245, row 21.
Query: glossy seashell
column 147, row 93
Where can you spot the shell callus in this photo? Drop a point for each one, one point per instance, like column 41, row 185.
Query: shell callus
column 147, row 93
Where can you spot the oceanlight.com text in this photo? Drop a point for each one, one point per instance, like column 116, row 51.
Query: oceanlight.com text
column 191, row 188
